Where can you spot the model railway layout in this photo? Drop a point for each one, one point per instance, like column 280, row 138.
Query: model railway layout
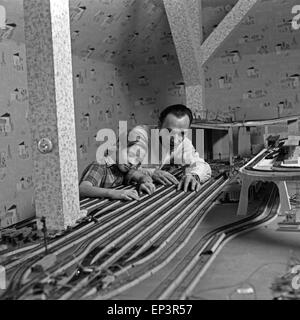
column 120, row 244
column 280, row 158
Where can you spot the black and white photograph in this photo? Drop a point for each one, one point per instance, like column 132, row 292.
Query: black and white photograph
column 149, row 152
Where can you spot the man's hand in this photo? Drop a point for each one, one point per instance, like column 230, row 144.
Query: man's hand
column 164, row 177
column 123, row 195
column 187, row 181
column 146, row 187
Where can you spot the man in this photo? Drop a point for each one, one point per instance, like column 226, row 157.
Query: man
column 173, row 147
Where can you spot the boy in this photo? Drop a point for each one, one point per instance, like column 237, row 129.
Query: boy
column 98, row 179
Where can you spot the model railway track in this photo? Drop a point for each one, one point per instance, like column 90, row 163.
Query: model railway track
column 82, row 238
column 91, row 205
column 165, row 215
column 250, row 165
column 126, row 279
column 131, row 228
column 182, row 281
column 125, row 265
column 276, row 166
column 105, row 214
column 171, row 241
column 126, row 227
column 95, row 207
column 115, row 215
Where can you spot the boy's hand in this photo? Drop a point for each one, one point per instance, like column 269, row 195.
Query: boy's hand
column 146, row 187
column 123, row 195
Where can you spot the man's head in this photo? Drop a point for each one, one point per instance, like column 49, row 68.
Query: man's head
column 175, row 117
column 174, row 120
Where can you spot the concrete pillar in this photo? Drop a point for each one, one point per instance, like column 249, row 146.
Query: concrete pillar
column 51, row 111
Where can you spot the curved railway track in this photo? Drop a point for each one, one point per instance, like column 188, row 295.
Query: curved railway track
column 172, row 214
column 135, row 272
column 181, row 283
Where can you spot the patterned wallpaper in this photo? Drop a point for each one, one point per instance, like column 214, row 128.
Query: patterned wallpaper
column 16, row 168
column 121, row 31
column 255, row 74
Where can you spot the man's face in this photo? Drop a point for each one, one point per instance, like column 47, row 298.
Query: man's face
column 176, row 126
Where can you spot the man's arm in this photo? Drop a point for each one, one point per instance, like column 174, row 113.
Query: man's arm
column 197, row 171
column 194, row 164
column 142, row 135
column 201, row 169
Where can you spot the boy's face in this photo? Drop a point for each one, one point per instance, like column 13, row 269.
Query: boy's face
column 133, row 158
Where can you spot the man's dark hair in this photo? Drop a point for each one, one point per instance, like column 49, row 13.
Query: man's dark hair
column 178, row 110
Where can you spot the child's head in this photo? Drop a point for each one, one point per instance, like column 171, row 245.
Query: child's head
column 130, row 157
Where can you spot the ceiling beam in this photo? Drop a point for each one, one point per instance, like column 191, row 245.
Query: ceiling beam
column 185, row 19
column 224, row 29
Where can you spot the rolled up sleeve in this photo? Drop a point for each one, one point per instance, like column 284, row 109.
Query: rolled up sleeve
column 194, row 164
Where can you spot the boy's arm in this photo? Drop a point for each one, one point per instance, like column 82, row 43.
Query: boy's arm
column 86, row 189
column 91, row 181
